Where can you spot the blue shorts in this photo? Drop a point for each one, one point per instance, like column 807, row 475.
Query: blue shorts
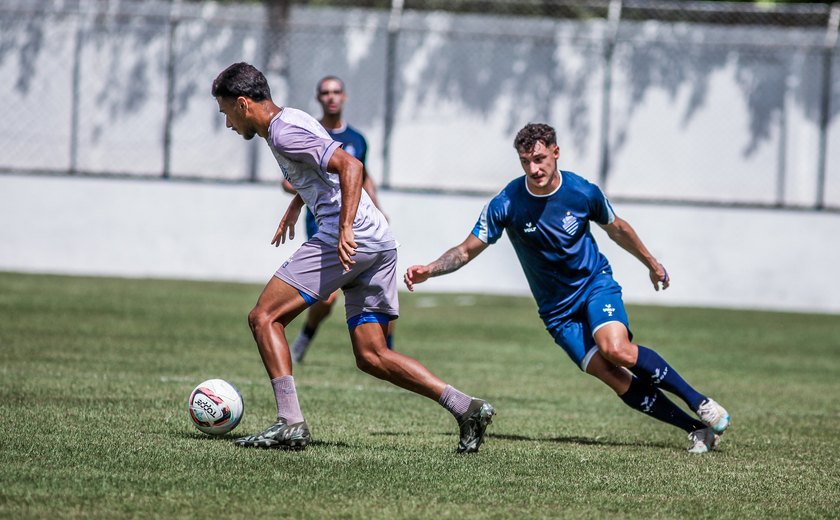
column 601, row 304
column 311, row 224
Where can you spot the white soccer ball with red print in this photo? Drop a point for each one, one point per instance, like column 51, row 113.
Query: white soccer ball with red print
column 215, row 407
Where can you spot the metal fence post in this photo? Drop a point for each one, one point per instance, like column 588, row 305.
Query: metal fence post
column 613, row 21
column 394, row 22
column 170, row 89
column 825, row 102
column 75, row 95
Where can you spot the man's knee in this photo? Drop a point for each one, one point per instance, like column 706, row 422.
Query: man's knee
column 259, row 319
column 369, row 361
column 620, row 352
column 254, row 318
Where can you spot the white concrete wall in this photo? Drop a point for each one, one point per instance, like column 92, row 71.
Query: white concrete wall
column 149, row 228
column 696, row 112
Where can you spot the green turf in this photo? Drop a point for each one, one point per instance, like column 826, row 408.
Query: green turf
column 94, row 374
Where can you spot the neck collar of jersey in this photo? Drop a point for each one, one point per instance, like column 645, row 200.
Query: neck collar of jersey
column 342, row 127
column 528, row 189
column 275, row 118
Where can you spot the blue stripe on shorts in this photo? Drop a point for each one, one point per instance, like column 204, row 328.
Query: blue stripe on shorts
column 369, row 317
column 307, row 298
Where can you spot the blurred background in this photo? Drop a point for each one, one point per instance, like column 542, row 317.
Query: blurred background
column 711, row 126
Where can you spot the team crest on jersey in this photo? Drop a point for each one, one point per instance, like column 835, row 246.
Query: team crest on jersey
column 570, row 223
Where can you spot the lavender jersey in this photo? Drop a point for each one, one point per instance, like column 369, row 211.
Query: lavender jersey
column 303, row 149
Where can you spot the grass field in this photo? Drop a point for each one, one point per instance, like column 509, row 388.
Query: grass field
column 94, row 375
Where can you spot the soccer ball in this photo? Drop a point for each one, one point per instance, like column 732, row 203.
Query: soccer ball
column 215, row 406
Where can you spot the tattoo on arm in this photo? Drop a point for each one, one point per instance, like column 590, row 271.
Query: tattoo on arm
column 450, row 261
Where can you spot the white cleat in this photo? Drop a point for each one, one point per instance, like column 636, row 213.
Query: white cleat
column 713, row 415
column 299, row 348
column 702, row 441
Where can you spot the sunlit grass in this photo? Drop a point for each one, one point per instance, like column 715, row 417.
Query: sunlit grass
column 94, row 375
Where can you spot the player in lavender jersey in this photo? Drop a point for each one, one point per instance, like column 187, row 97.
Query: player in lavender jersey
column 353, row 250
column 546, row 216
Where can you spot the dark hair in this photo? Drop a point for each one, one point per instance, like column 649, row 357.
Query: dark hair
column 328, row 78
column 241, row 79
column 527, row 138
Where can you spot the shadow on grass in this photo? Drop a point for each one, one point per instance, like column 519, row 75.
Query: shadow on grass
column 574, row 439
column 563, row 439
column 230, row 437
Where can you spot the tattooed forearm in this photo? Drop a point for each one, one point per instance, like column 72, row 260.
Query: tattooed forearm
column 450, row 261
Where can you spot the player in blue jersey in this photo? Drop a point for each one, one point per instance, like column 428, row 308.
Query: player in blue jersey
column 331, row 95
column 546, row 215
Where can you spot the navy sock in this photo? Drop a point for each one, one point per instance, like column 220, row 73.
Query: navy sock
column 308, row 331
column 649, row 400
column 651, row 368
column 389, row 341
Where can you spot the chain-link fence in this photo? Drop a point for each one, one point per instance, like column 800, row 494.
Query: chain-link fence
column 671, row 102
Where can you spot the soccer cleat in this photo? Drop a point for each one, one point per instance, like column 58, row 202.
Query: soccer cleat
column 713, row 415
column 278, row 435
column 702, row 441
column 473, row 425
column 299, row 348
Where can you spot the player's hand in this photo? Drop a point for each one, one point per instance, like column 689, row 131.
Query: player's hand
column 416, row 274
column 346, row 247
column 659, row 276
column 287, row 224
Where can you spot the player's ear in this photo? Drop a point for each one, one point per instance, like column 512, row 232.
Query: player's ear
column 242, row 104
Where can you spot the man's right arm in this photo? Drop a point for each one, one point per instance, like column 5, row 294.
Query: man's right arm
column 288, row 188
column 450, row 261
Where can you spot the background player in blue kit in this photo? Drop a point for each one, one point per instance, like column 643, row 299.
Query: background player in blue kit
column 331, row 95
column 546, row 215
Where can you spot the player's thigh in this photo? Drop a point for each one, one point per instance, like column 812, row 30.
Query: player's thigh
column 369, row 337
column 279, row 302
column 332, row 298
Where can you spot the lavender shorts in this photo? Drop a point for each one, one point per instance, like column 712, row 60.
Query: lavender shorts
column 369, row 286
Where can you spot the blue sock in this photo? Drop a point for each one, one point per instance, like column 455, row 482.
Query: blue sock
column 389, row 341
column 652, row 369
column 649, row 400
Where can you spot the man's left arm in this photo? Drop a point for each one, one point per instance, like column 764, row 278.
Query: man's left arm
column 623, row 234
column 350, row 177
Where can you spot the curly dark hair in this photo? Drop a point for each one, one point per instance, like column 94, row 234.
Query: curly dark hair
column 241, row 79
column 527, row 138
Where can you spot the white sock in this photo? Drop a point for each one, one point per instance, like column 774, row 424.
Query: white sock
column 455, row 401
column 285, row 393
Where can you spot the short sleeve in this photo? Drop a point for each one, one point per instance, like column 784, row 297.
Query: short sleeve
column 301, row 145
column 493, row 219
column 601, row 210
column 363, row 152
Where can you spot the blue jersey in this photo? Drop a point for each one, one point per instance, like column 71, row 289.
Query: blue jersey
column 551, row 237
column 353, row 143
